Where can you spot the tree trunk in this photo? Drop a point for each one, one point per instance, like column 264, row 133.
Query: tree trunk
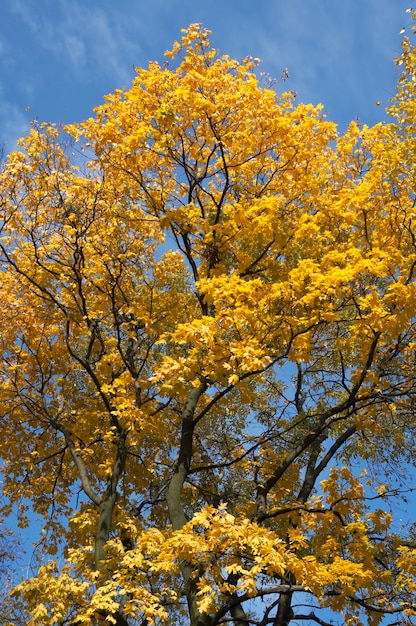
column 175, row 505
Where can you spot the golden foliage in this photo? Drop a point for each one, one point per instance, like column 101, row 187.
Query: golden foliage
column 208, row 331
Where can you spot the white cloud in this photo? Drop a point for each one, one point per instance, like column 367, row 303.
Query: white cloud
column 81, row 36
column 75, row 50
column 28, row 14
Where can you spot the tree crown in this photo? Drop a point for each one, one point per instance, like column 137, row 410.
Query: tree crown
column 208, row 351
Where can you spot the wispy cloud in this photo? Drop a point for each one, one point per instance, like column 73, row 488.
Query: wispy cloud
column 75, row 49
column 87, row 39
column 26, row 11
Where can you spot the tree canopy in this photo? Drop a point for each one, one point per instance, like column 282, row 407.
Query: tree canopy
column 208, row 348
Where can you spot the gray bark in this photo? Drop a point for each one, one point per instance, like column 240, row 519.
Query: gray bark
column 175, row 504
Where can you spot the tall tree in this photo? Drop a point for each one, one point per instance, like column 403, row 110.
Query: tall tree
column 207, row 353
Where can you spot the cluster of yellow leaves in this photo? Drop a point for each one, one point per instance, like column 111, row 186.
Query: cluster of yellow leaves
column 235, row 555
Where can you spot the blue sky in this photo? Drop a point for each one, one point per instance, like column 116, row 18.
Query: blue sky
column 59, row 58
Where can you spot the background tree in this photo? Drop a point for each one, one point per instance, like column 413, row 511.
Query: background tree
column 208, row 353
column 12, row 611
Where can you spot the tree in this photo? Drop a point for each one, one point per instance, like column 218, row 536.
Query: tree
column 208, row 348
column 12, row 612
